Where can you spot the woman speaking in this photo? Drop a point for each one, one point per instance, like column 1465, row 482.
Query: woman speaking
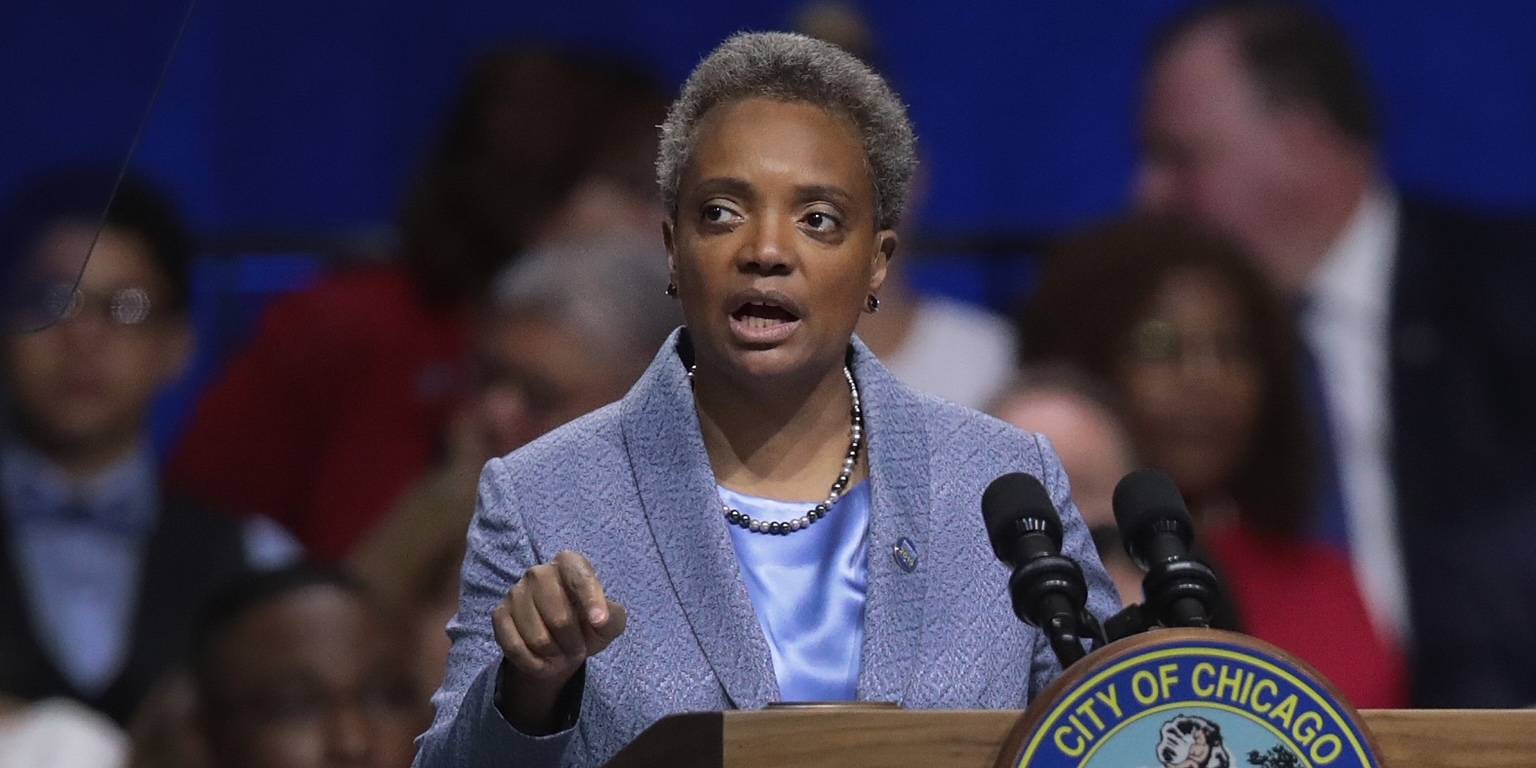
column 767, row 515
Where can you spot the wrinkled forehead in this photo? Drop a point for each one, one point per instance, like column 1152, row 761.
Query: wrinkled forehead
column 110, row 258
column 816, row 145
column 1201, row 75
column 60, row 249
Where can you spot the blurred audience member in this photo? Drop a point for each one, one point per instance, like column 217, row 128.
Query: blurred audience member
column 58, row 733
column 941, row 346
column 1198, row 348
column 1073, row 412
column 98, row 568
column 937, row 345
column 569, row 329
column 296, row 668
column 425, row 612
column 338, row 403
column 1420, row 354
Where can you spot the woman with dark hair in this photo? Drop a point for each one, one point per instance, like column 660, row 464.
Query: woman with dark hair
column 768, row 514
column 341, row 400
column 542, row 147
column 1201, row 353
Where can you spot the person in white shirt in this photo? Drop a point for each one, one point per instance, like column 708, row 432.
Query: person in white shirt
column 58, row 733
column 941, row 346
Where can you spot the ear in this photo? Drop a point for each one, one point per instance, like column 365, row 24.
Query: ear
column 669, row 240
column 885, row 250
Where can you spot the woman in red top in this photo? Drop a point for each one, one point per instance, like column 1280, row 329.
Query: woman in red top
column 340, row 401
column 1202, row 355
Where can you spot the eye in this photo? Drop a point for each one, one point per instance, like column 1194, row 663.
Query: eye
column 821, row 221
column 714, row 213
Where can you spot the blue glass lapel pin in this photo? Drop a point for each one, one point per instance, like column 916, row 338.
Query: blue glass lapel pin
column 905, row 554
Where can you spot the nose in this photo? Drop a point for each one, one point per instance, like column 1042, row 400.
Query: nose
column 770, row 248
column 84, row 332
column 1208, row 370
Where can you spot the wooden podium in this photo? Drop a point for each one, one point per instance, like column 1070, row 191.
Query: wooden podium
column 855, row 737
column 1160, row 685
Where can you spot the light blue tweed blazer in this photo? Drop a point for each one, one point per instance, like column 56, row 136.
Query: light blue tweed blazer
column 630, row 487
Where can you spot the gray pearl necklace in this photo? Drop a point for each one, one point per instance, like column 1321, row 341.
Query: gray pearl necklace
column 839, row 486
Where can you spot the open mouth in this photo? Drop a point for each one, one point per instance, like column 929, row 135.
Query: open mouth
column 763, row 317
column 758, row 316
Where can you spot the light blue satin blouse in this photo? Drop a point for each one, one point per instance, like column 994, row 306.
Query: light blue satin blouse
column 808, row 590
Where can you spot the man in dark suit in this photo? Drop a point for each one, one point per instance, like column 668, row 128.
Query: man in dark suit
column 99, row 572
column 1258, row 122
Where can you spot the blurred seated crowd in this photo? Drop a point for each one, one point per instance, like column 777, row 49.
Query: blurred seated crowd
column 1336, row 373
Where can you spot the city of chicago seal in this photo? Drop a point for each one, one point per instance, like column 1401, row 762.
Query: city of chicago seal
column 1190, row 699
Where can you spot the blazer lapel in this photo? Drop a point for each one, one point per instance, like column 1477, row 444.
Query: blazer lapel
column 899, row 511
column 681, row 505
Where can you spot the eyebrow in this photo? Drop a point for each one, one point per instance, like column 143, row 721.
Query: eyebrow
column 823, row 192
column 803, row 193
column 728, row 184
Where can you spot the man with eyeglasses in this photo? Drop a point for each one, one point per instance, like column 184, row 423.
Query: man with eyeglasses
column 98, row 570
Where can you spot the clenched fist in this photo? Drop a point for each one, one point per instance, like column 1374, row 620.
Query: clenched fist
column 549, row 624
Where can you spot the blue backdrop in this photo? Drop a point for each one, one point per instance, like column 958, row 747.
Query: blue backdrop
column 308, row 117
column 303, row 116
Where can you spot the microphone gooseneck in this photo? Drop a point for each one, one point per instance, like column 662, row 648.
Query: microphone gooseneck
column 1047, row 589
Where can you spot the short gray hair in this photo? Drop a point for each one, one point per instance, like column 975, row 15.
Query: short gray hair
column 607, row 291
column 791, row 67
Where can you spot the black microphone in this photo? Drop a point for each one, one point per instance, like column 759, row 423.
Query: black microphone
column 1180, row 591
column 1048, row 590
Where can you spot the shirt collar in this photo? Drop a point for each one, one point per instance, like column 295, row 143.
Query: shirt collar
column 123, row 497
column 1355, row 275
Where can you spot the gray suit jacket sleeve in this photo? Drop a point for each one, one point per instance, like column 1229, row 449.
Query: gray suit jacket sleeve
column 469, row 730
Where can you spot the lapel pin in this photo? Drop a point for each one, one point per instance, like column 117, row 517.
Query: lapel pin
column 905, row 554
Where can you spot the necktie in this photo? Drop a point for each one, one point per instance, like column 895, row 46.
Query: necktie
column 1331, row 523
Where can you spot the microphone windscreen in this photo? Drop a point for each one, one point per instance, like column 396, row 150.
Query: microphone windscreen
column 1148, row 497
column 1014, row 505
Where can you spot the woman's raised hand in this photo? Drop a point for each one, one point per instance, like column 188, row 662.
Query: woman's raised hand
column 549, row 624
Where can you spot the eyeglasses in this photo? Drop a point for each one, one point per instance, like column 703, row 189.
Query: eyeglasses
column 1158, row 341
column 124, row 307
